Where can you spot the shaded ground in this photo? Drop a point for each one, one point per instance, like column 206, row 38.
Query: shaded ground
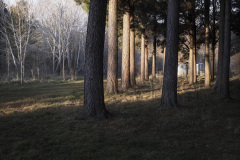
column 43, row 121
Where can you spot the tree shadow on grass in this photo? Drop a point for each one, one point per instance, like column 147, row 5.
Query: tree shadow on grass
column 203, row 128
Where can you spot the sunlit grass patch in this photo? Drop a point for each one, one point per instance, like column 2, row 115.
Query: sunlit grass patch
column 29, row 97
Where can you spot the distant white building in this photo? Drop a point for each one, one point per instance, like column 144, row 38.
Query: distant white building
column 200, row 69
column 182, row 69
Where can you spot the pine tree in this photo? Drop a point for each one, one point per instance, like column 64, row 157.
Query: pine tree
column 93, row 74
column 207, row 66
column 126, row 47
column 192, row 59
column 112, row 70
column 143, row 56
column 169, row 91
column 225, row 94
column 132, row 48
column 220, row 47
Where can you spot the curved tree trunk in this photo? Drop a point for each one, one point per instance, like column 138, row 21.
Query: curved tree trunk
column 207, row 66
column 143, row 56
column 112, row 69
column 93, row 74
column 126, row 48
column 169, row 91
column 132, row 51
column 225, row 94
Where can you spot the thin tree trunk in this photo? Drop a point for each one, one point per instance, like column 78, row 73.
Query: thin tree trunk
column 194, row 47
column 132, row 51
column 143, row 56
column 225, row 94
column 93, row 74
column 169, row 91
column 8, row 62
column 154, row 50
column 53, row 62
column 63, row 66
column 207, row 66
column 21, row 71
column 146, row 61
column 112, row 69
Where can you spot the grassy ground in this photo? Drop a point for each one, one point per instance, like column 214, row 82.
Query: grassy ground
column 43, row 121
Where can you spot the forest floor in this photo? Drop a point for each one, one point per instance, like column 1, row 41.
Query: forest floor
column 43, row 121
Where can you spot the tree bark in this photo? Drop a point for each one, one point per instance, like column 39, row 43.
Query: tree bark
column 93, row 75
column 126, row 48
column 207, row 66
column 169, row 91
column 143, row 56
column 213, row 40
column 194, row 47
column 154, row 49
column 132, row 51
column 221, row 47
column 112, row 69
column 192, row 68
column 225, row 94
column 146, row 61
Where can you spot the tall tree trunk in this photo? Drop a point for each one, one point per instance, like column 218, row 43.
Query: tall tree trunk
column 143, row 56
column 132, row 50
column 93, row 74
column 169, row 91
column 146, row 61
column 194, row 47
column 154, row 49
column 112, row 69
column 221, row 47
column 192, row 73
column 225, row 94
column 126, row 48
column 207, row 66
column 213, row 39
column 53, row 63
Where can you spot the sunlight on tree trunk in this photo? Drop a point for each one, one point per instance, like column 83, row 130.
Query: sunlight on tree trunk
column 207, row 66
column 126, row 48
column 112, row 69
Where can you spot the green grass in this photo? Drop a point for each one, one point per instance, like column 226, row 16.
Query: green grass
column 43, row 121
